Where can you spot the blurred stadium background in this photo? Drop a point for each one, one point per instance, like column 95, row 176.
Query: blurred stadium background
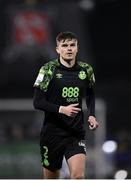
column 27, row 40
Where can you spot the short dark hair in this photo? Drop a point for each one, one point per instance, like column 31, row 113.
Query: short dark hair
column 65, row 35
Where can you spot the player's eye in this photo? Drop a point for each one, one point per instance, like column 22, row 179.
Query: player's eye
column 64, row 45
column 72, row 45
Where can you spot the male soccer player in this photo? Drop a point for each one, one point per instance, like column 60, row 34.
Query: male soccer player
column 60, row 88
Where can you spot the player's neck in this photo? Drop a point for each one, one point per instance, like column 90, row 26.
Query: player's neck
column 67, row 63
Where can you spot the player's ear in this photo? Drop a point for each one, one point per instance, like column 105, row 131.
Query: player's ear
column 77, row 48
column 57, row 49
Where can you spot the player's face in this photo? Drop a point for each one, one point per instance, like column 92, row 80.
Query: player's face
column 67, row 49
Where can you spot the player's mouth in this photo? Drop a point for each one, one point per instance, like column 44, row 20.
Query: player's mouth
column 69, row 54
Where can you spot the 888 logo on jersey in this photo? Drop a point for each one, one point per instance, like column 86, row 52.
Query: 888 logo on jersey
column 70, row 93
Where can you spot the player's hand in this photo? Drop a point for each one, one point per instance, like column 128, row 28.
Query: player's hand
column 93, row 124
column 70, row 110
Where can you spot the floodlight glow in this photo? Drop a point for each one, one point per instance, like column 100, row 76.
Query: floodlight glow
column 109, row 146
column 87, row 4
column 121, row 174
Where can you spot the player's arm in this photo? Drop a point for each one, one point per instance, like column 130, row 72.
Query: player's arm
column 40, row 89
column 90, row 102
column 40, row 102
column 90, row 94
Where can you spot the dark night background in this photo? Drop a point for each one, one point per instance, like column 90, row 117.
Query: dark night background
column 104, row 30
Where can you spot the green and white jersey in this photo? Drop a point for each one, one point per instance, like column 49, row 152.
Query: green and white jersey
column 63, row 86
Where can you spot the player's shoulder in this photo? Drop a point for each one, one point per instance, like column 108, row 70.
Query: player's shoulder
column 51, row 63
column 84, row 65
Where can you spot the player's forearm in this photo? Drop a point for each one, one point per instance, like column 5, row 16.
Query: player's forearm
column 90, row 102
column 40, row 102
